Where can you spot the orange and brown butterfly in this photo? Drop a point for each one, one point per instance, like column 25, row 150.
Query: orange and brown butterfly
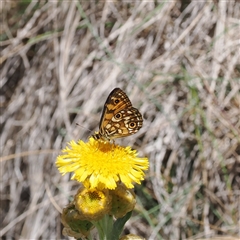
column 119, row 118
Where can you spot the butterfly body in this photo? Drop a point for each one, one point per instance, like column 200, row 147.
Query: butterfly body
column 119, row 118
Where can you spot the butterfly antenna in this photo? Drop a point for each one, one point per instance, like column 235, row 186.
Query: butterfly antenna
column 84, row 127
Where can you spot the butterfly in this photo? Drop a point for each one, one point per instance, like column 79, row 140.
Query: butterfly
column 119, row 118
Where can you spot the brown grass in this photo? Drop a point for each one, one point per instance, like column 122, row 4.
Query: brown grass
column 179, row 62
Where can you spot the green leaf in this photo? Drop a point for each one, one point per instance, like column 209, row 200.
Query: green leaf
column 118, row 226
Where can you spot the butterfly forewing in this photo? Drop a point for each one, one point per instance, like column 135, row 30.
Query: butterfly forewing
column 119, row 118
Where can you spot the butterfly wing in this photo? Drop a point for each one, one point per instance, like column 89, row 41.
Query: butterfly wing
column 119, row 118
column 129, row 122
column 116, row 101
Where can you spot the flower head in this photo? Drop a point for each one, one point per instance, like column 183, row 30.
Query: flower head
column 99, row 164
column 123, row 201
column 73, row 222
column 92, row 204
column 131, row 237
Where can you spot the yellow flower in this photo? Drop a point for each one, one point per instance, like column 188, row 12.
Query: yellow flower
column 131, row 237
column 99, row 164
column 92, row 204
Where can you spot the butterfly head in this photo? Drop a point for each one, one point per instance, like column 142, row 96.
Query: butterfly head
column 99, row 136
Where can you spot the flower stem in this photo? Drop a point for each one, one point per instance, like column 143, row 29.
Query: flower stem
column 104, row 227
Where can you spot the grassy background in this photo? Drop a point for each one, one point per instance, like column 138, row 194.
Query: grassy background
column 179, row 62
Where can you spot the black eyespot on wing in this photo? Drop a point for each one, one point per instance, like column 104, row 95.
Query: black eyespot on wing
column 118, row 115
column 132, row 124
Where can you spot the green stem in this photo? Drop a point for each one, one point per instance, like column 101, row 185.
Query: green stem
column 104, row 227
